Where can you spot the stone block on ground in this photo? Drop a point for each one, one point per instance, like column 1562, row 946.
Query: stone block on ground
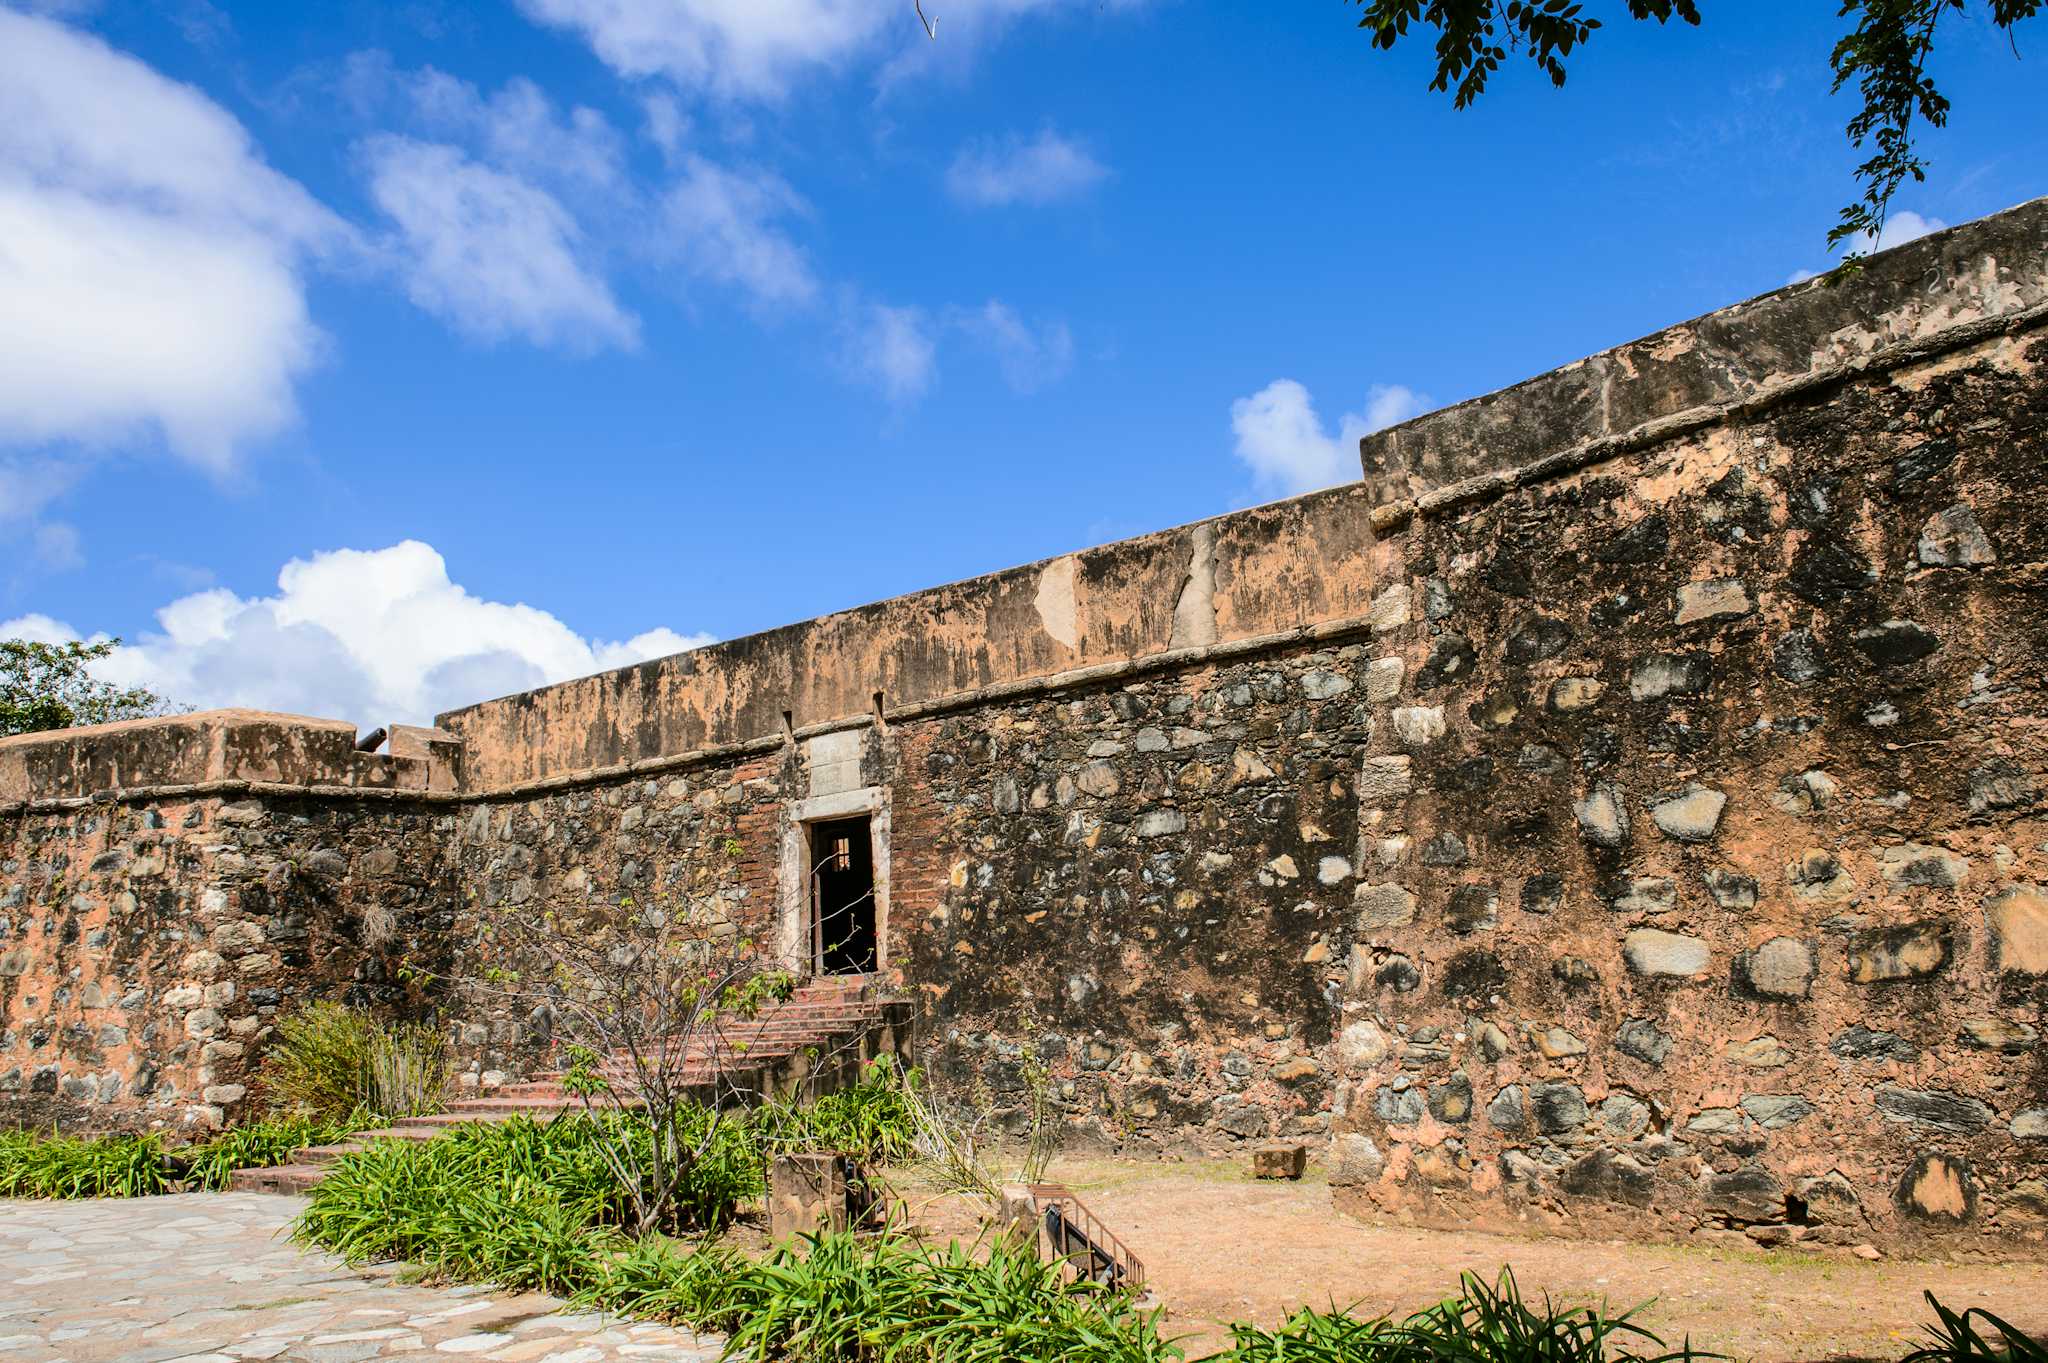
column 1280, row 1159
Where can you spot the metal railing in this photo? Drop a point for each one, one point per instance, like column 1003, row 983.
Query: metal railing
column 1080, row 1240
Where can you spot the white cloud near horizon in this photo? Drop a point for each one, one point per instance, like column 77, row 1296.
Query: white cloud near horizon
column 491, row 254
column 151, row 264
column 996, row 173
column 1282, row 441
column 370, row 636
column 1899, row 228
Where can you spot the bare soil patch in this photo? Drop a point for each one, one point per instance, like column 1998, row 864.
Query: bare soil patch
column 1220, row 1246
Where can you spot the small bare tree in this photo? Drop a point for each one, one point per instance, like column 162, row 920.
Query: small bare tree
column 649, row 1009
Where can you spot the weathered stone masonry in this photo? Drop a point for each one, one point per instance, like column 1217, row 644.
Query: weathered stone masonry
column 1621, row 810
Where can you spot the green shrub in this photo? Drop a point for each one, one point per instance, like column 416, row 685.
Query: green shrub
column 319, row 1062
column 329, row 1060
column 871, row 1120
column 1953, row 1339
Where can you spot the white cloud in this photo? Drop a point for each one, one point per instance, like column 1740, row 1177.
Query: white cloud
column 371, row 636
column 518, row 129
column 891, row 347
column 1030, row 358
column 1048, row 167
column 719, row 224
column 759, row 49
column 55, row 547
column 1281, row 439
column 150, row 281
column 728, row 47
column 667, row 124
column 1899, row 228
column 491, row 254
column 38, row 629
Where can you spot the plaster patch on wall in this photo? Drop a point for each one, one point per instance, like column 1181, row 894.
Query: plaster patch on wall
column 1057, row 609
column 1194, row 615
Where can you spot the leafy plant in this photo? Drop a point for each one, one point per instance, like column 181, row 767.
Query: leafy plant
column 33, row 1165
column 448, row 1203
column 1482, row 1324
column 871, row 1120
column 60, row 1166
column 1953, row 1339
column 846, row 1297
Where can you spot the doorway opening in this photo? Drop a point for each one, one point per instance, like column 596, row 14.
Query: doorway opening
column 843, row 937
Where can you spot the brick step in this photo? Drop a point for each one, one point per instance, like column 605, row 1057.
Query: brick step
column 290, row 1179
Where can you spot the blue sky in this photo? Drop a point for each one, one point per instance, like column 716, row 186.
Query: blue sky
column 671, row 318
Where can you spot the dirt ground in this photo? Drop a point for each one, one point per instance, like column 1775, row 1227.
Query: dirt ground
column 1220, row 1246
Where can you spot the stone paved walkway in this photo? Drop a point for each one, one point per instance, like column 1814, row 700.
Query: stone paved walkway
column 211, row 1278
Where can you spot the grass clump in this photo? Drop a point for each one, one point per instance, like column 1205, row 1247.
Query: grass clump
column 32, row 1165
column 53, row 1166
column 841, row 1298
column 329, row 1060
column 1482, row 1324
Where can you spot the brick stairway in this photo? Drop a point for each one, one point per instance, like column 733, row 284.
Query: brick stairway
column 818, row 1037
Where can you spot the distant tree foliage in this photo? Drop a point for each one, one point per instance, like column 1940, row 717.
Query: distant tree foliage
column 47, row 686
column 1884, row 55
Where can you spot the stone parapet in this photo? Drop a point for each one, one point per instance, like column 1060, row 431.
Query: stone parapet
column 212, row 749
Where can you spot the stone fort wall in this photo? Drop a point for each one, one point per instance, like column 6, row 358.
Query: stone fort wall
column 1620, row 811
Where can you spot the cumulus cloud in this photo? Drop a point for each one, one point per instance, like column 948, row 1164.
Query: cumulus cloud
column 720, row 225
column 993, row 174
column 1030, row 357
column 1282, row 441
column 1899, row 228
column 890, row 347
column 371, row 636
column 151, row 281
column 489, row 253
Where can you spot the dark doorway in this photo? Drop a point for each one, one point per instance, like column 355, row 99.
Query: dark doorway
column 842, row 897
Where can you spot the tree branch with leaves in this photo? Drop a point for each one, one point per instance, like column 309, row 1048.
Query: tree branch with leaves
column 1884, row 55
column 51, row 686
